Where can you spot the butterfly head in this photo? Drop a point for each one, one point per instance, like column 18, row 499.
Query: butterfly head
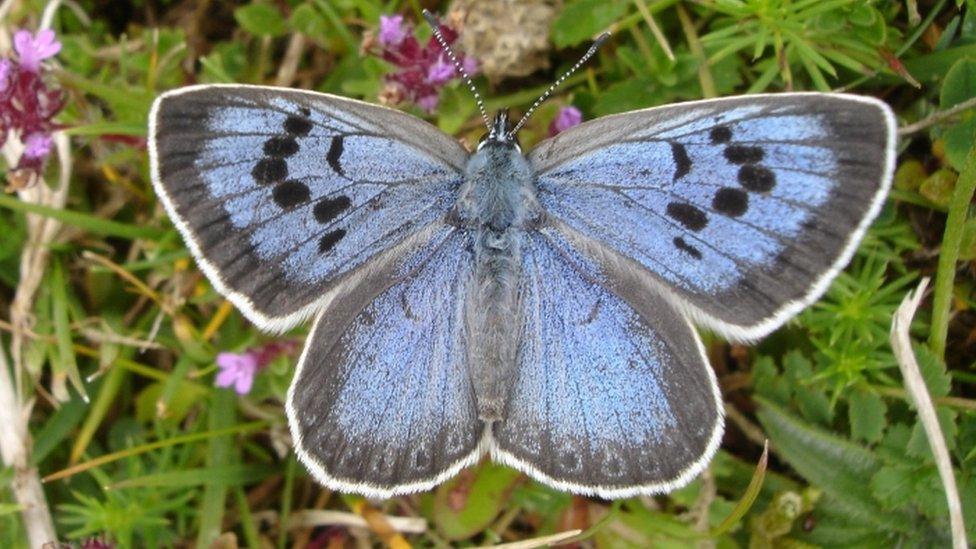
column 499, row 133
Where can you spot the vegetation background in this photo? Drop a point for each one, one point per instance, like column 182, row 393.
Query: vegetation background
column 111, row 336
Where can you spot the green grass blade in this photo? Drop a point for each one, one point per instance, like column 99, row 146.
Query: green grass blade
column 219, row 454
column 90, row 223
column 228, row 475
column 143, row 448
column 962, row 196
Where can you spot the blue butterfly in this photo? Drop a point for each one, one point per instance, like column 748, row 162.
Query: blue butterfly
column 537, row 308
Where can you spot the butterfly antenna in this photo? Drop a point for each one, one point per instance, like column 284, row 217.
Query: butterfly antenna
column 586, row 56
column 435, row 26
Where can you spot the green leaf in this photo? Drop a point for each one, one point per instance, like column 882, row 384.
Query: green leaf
column 769, row 383
column 584, row 19
column 967, row 247
column 939, row 186
column 308, row 21
column 893, row 485
column 57, row 427
column 933, row 370
column 866, row 412
column 814, row 405
column 918, row 445
column 176, row 408
column 837, row 466
column 933, row 67
column 261, row 20
column 456, row 107
column 910, row 175
column 629, row 94
column 959, row 85
column 468, row 503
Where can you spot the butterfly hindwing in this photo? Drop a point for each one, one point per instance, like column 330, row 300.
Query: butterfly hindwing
column 743, row 208
column 610, row 398
column 283, row 194
column 382, row 402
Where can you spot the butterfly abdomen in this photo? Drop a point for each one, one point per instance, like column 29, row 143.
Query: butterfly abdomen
column 496, row 203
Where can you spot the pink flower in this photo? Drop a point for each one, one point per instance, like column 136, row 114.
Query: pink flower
column 429, row 102
column 392, row 30
column 421, row 70
column 567, row 118
column 6, row 71
column 37, row 145
column 237, row 370
column 32, row 49
column 440, row 71
column 469, row 64
column 28, row 104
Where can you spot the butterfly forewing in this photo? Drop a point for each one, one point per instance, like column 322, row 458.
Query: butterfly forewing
column 610, row 398
column 282, row 194
column 382, row 402
column 743, row 208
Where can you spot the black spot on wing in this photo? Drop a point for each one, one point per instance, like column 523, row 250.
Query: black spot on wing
column 740, row 154
column 756, row 178
column 288, row 194
column 270, row 170
column 720, row 134
column 689, row 216
column 682, row 164
column 280, row 146
column 298, row 126
column 731, row 202
column 335, row 154
column 687, row 248
column 330, row 239
column 327, row 209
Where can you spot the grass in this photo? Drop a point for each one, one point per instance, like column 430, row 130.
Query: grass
column 109, row 333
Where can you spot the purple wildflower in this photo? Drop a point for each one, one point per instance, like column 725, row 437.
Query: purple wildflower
column 441, row 71
column 238, row 369
column 37, row 145
column 392, row 30
column 32, row 49
column 567, row 118
column 428, row 102
column 6, row 68
column 421, row 71
column 27, row 105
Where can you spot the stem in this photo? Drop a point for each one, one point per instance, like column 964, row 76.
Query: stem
column 143, row 448
column 15, row 450
column 286, row 495
column 694, row 44
column 219, row 454
column 951, row 242
column 952, row 402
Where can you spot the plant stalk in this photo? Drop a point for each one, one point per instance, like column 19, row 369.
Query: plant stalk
column 951, row 242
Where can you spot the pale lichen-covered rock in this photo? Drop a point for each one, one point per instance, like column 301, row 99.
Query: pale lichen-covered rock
column 507, row 37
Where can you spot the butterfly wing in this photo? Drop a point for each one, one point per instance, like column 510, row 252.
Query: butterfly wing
column 611, row 398
column 744, row 208
column 382, row 402
column 284, row 194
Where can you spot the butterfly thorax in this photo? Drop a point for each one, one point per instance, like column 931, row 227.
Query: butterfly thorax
column 496, row 204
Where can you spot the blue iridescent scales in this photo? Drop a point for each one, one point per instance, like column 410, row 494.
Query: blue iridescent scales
column 322, row 194
column 732, row 213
